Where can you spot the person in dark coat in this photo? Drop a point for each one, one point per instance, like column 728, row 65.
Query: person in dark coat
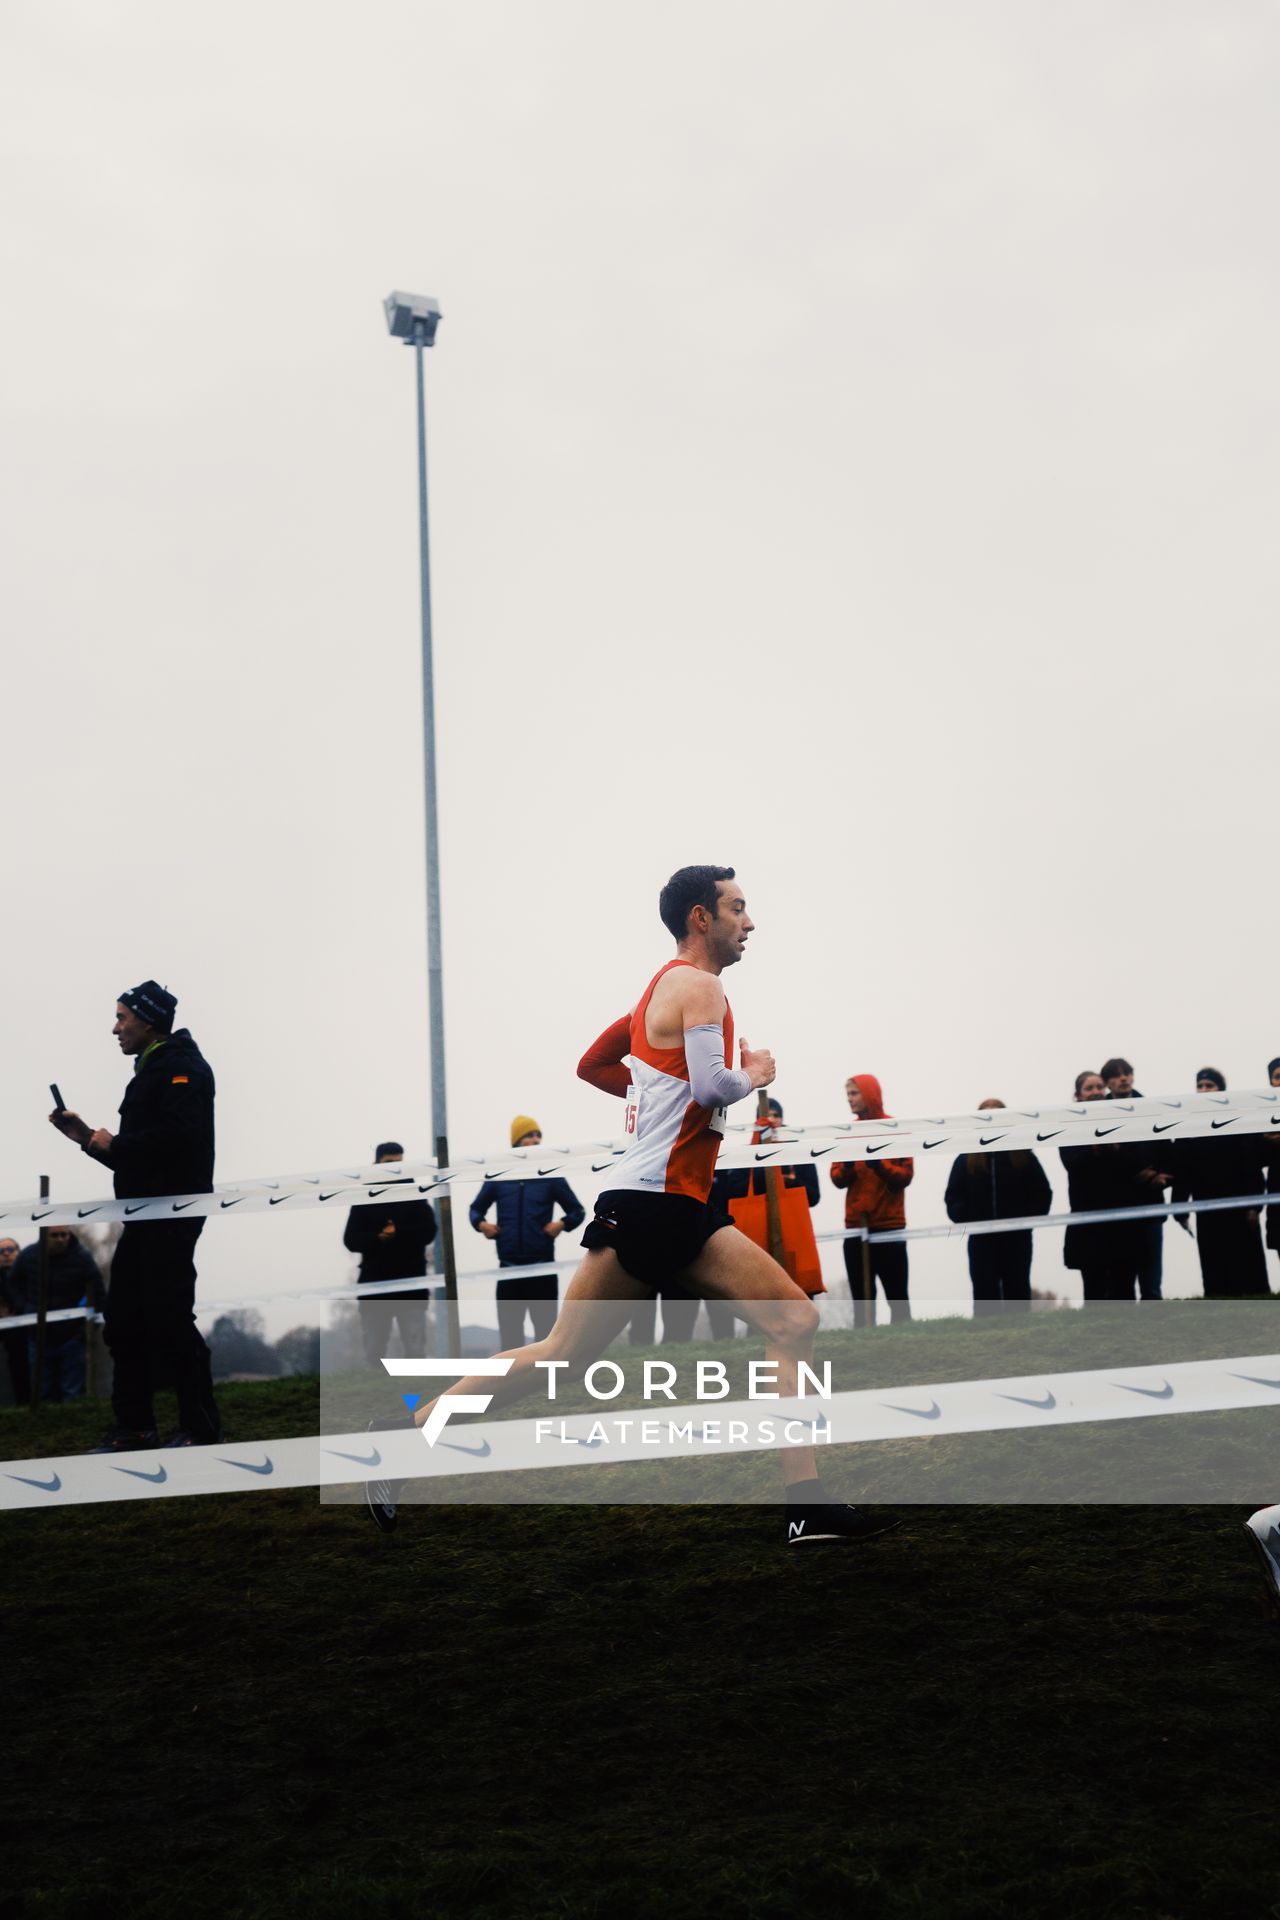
column 392, row 1236
column 13, row 1340
column 1273, row 1169
column 998, row 1186
column 164, row 1145
column 74, row 1281
column 1104, row 1257
column 526, row 1232
column 1233, row 1261
column 1145, row 1169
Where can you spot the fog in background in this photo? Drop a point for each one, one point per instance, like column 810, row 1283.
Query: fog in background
column 852, row 445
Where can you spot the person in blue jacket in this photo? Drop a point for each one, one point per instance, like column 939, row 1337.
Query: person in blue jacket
column 526, row 1232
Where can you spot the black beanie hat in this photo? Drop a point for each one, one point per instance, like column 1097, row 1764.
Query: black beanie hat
column 1211, row 1073
column 152, row 1003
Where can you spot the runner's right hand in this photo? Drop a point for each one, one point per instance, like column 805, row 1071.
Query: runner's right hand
column 759, row 1063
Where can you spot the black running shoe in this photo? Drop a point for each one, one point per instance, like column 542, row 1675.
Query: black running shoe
column 811, row 1516
column 127, row 1440
column 181, row 1438
column 1263, row 1529
column 380, row 1495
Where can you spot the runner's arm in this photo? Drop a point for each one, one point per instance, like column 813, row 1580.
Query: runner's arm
column 601, row 1064
column 711, row 1083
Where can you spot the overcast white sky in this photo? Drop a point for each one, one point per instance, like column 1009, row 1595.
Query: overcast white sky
column 852, row 443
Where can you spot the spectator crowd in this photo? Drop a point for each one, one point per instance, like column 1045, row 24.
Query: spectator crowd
column 165, row 1144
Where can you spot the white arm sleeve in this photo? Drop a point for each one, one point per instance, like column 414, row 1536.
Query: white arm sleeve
column 711, row 1083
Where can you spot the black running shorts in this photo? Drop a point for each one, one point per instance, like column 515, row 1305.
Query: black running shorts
column 655, row 1235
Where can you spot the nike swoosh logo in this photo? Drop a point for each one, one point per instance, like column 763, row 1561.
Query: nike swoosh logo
column 544, row 1171
column 235, row 1203
column 481, row 1452
column 1050, row 1136
column 772, row 1154
column 1215, row 1124
column 934, row 1411
column 137, row 1209
column 1152, row 1393
column 42, row 1216
column 816, row 1153
column 1100, row 1133
column 82, row 1213
column 178, row 1206
column 45, row 1486
column 376, row 1193
column 333, row 1195
column 249, row 1466
column 373, row 1459
column 600, row 1168
column 1044, row 1405
column 136, row 1473
column 989, row 1139
column 277, row 1199
column 879, row 1146
column 1257, row 1380
column 1164, row 1126
column 935, row 1143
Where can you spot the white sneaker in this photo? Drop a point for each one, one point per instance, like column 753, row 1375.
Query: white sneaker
column 1263, row 1528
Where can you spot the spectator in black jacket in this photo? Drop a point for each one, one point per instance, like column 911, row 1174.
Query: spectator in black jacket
column 13, row 1340
column 1233, row 1261
column 1103, row 1256
column 526, row 1232
column 164, row 1145
column 998, row 1186
column 74, row 1281
column 1144, row 1170
column 392, row 1236
column 1273, row 1169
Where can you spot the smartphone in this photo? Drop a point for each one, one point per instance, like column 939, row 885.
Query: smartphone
column 59, row 1104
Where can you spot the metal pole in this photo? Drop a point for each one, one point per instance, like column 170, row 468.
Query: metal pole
column 42, row 1306
column 435, row 968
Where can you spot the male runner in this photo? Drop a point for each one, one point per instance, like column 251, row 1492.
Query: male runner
column 655, row 1220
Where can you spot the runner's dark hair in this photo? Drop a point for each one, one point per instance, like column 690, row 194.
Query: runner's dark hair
column 689, row 888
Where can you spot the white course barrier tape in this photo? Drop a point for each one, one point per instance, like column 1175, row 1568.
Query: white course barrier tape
column 1191, row 1116
column 480, row 1276
column 876, row 1413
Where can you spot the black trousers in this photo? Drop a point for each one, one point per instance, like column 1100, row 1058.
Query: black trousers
column 151, row 1328
column 1233, row 1260
column 889, row 1267
column 539, row 1297
column 14, row 1344
column 1000, row 1269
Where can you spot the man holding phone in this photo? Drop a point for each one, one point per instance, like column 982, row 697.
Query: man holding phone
column 164, row 1145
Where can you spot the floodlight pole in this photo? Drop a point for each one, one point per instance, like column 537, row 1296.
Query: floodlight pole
column 420, row 336
column 435, row 963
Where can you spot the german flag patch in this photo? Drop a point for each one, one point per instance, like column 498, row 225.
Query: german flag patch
column 179, row 1080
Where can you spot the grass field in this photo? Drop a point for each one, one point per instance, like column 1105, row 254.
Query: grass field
column 258, row 1706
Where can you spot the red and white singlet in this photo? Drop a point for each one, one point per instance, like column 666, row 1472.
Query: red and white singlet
column 672, row 1140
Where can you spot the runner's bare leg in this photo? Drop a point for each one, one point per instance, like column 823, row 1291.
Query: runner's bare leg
column 596, row 1308
column 731, row 1267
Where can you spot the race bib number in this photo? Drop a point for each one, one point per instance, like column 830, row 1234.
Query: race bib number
column 632, row 1113
column 719, row 1119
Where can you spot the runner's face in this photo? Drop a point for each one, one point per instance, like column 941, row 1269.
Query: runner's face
column 732, row 923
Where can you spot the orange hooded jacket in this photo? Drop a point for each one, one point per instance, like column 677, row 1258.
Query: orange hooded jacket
column 874, row 1189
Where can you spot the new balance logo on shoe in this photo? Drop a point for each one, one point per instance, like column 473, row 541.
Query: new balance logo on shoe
column 794, row 1529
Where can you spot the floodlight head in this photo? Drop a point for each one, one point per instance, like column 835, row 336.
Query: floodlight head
column 412, row 316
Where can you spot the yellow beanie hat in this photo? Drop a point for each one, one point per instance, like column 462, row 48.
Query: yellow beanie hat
column 521, row 1125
